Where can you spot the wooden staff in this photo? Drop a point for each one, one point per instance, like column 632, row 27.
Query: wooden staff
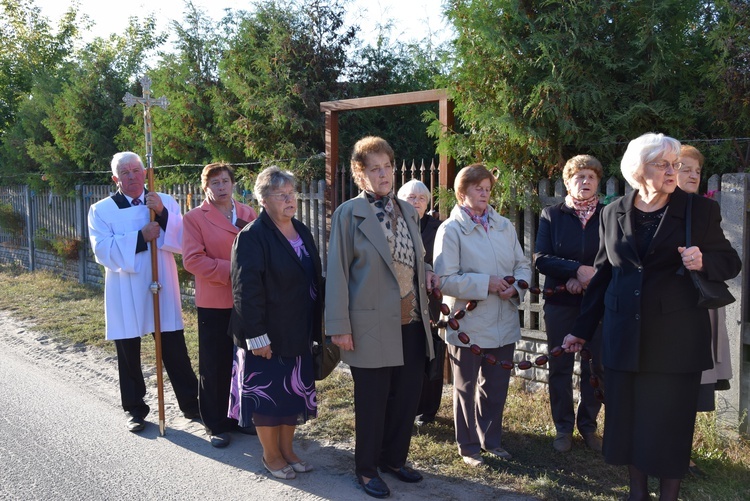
column 155, row 286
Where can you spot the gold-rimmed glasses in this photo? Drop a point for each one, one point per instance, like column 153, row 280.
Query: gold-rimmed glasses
column 283, row 197
column 664, row 165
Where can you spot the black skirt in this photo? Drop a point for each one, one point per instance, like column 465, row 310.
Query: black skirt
column 649, row 421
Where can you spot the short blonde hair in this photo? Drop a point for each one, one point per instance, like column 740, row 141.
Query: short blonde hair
column 214, row 169
column 580, row 162
column 692, row 152
column 362, row 148
column 415, row 187
column 470, row 175
column 272, row 178
column 642, row 150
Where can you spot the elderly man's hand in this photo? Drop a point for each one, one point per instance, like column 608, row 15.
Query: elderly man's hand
column 151, row 231
column 153, row 202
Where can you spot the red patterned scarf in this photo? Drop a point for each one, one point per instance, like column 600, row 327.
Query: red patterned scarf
column 584, row 209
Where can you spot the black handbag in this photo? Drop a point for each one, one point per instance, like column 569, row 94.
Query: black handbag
column 712, row 294
column 326, row 356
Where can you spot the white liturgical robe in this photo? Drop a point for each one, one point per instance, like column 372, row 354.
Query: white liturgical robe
column 128, row 301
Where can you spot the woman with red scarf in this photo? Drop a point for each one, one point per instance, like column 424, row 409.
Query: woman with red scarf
column 566, row 245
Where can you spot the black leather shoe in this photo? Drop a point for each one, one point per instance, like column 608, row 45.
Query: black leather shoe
column 220, row 441
column 405, row 473
column 375, row 487
column 191, row 415
column 135, row 423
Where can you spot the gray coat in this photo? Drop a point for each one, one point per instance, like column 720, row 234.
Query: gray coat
column 362, row 292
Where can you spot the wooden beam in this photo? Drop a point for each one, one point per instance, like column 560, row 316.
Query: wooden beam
column 332, row 158
column 447, row 164
column 361, row 103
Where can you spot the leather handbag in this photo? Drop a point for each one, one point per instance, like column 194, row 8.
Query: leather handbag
column 712, row 294
column 326, row 356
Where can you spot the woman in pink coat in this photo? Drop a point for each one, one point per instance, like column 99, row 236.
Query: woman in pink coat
column 208, row 234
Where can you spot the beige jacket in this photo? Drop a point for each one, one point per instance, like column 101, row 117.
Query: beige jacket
column 464, row 257
column 362, row 293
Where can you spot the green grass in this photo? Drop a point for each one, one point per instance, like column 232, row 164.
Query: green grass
column 73, row 313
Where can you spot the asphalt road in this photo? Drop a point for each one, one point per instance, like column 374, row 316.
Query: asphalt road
column 63, row 437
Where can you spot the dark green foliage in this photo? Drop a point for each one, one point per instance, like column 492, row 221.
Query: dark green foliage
column 538, row 82
column 389, row 68
column 284, row 60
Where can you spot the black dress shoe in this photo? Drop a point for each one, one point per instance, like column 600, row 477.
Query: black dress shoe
column 192, row 415
column 220, row 440
column 375, row 487
column 405, row 473
column 136, row 423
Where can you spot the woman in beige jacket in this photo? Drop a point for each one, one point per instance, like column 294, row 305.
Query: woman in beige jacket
column 475, row 248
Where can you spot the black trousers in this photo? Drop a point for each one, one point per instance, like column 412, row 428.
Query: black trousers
column 432, row 389
column 559, row 320
column 176, row 362
column 385, row 404
column 215, row 355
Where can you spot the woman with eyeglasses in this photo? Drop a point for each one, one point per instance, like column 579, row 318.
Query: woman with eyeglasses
column 208, row 234
column 376, row 313
column 418, row 195
column 689, row 180
column 278, row 308
column 475, row 249
column 656, row 341
column 566, row 244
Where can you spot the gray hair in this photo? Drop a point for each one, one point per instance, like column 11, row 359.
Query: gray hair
column 415, row 187
column 269, row 179
column 643, row 150
column 124, row 157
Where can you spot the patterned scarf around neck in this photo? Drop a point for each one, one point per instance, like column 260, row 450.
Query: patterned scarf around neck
column 483, row 219
column 383, row 206
column 584, row 209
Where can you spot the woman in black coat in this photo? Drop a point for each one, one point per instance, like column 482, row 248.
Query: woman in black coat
column 656, row 341
column 566, row 245
column 417, row 194
column 278, row 308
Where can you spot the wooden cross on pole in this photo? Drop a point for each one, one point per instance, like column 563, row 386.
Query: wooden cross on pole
column 147, row 101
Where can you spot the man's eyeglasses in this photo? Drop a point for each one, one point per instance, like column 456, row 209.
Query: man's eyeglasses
column 283, row 197
column 665, row 165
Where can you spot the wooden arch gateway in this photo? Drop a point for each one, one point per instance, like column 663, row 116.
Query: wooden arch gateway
column 332, row 109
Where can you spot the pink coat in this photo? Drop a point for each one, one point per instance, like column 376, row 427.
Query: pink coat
column 207, row 240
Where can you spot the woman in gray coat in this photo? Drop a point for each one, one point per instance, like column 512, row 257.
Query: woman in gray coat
column 376, row 312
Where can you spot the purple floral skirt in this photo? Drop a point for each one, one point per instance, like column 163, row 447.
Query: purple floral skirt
column 272, row 392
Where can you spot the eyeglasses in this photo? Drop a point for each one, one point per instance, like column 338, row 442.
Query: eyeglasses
column 414, row 198
column 665, row 165
column 283, row 197
column 523, row 365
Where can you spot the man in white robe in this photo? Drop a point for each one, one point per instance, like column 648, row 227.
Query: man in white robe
column 120, row 234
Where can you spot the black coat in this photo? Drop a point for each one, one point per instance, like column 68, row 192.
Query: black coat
column 269, row 284
column 650, row 318
column 562, row 246
column 428, row 226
